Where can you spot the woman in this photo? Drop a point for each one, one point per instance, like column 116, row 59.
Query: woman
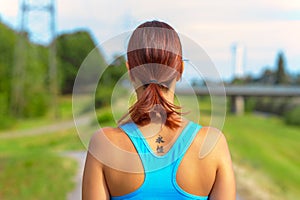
column 167, row 165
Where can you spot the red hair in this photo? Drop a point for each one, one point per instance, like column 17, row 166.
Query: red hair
column 155, row 60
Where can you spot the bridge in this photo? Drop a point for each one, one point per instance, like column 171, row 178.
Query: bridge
column 237, row 93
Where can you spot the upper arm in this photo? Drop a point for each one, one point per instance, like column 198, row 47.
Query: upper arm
column 93, row 184
column 224, row 185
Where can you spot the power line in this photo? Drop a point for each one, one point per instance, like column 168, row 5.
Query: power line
column 38, row 25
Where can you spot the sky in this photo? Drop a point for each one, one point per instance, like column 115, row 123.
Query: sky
column 262, row 27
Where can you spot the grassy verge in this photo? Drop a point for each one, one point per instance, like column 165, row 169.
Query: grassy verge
column 268, row 146
column 35, row 175
column 32, row 167
column 65, row 140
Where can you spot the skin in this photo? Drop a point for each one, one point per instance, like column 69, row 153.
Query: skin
column 210, row 175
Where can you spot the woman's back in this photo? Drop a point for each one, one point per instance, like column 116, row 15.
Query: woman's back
column 195, row 176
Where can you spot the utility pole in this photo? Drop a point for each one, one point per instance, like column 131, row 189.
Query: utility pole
column 238, row 57
column 19, row 72
column 37, row 24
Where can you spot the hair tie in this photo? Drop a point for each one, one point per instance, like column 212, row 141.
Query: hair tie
column 153, row 81
column 158, row 83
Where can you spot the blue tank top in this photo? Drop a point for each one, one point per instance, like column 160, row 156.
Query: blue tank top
column 160, row 171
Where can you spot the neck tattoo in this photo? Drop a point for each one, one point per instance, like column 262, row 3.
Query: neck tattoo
column 159, row 148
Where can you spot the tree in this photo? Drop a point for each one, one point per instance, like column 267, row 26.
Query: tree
column 281, row 76
column 72, row 49
column 7, row 38
column 297, row 80
column 23, row 90
column 112, row 74
column 268, row 77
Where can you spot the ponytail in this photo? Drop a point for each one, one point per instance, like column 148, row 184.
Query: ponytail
column 154, row 56
column 152, row 102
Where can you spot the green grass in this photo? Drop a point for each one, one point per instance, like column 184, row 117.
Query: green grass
column 269, row 146
column 32, row 167
column 65, row 140
column 35, row 175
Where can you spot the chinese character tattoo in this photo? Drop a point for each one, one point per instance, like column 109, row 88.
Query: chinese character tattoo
column 159, row 149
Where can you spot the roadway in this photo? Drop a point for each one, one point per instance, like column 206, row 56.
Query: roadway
column 270, row 91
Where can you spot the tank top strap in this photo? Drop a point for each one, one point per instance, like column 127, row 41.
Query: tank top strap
column 132, row 132
column 184, row 140
column 150, row 160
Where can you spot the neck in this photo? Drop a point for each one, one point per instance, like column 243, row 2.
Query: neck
column 167, row 94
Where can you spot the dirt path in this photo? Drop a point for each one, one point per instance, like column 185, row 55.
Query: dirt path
column 253, row 185
column 47, row 128
column 79, row 156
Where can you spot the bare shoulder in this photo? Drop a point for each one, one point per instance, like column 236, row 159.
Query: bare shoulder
column 213, row 142
column 110, row 137
column 112, row 149
column 110, row 133
column 216, row 149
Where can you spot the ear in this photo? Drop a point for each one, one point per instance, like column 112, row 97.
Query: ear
column 179, row 75
column 127, row 65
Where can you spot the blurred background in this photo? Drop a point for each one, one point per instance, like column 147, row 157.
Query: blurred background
column 254, row 45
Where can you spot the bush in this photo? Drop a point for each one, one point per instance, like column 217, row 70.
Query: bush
column 277, row 106
column 5, row 119
column 37, row 106
column 292, row 117
column 103, row 96
column 72, row 50
column 103, row 116
column 250, row 104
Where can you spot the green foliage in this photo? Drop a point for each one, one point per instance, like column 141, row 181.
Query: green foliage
column 24, row 86
column 281, row 77
column 5, row 118
column 35, row 88
column 292, row 116
column 7, row 43
column 105, row 116
column 297, row 79
column 23, row 90
column 248, row 79
column 103, row 96
column 250, row 104
column 72, row 49
column 108, row 80
column 268, row 77
column 238, row 81
column 278, row 105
